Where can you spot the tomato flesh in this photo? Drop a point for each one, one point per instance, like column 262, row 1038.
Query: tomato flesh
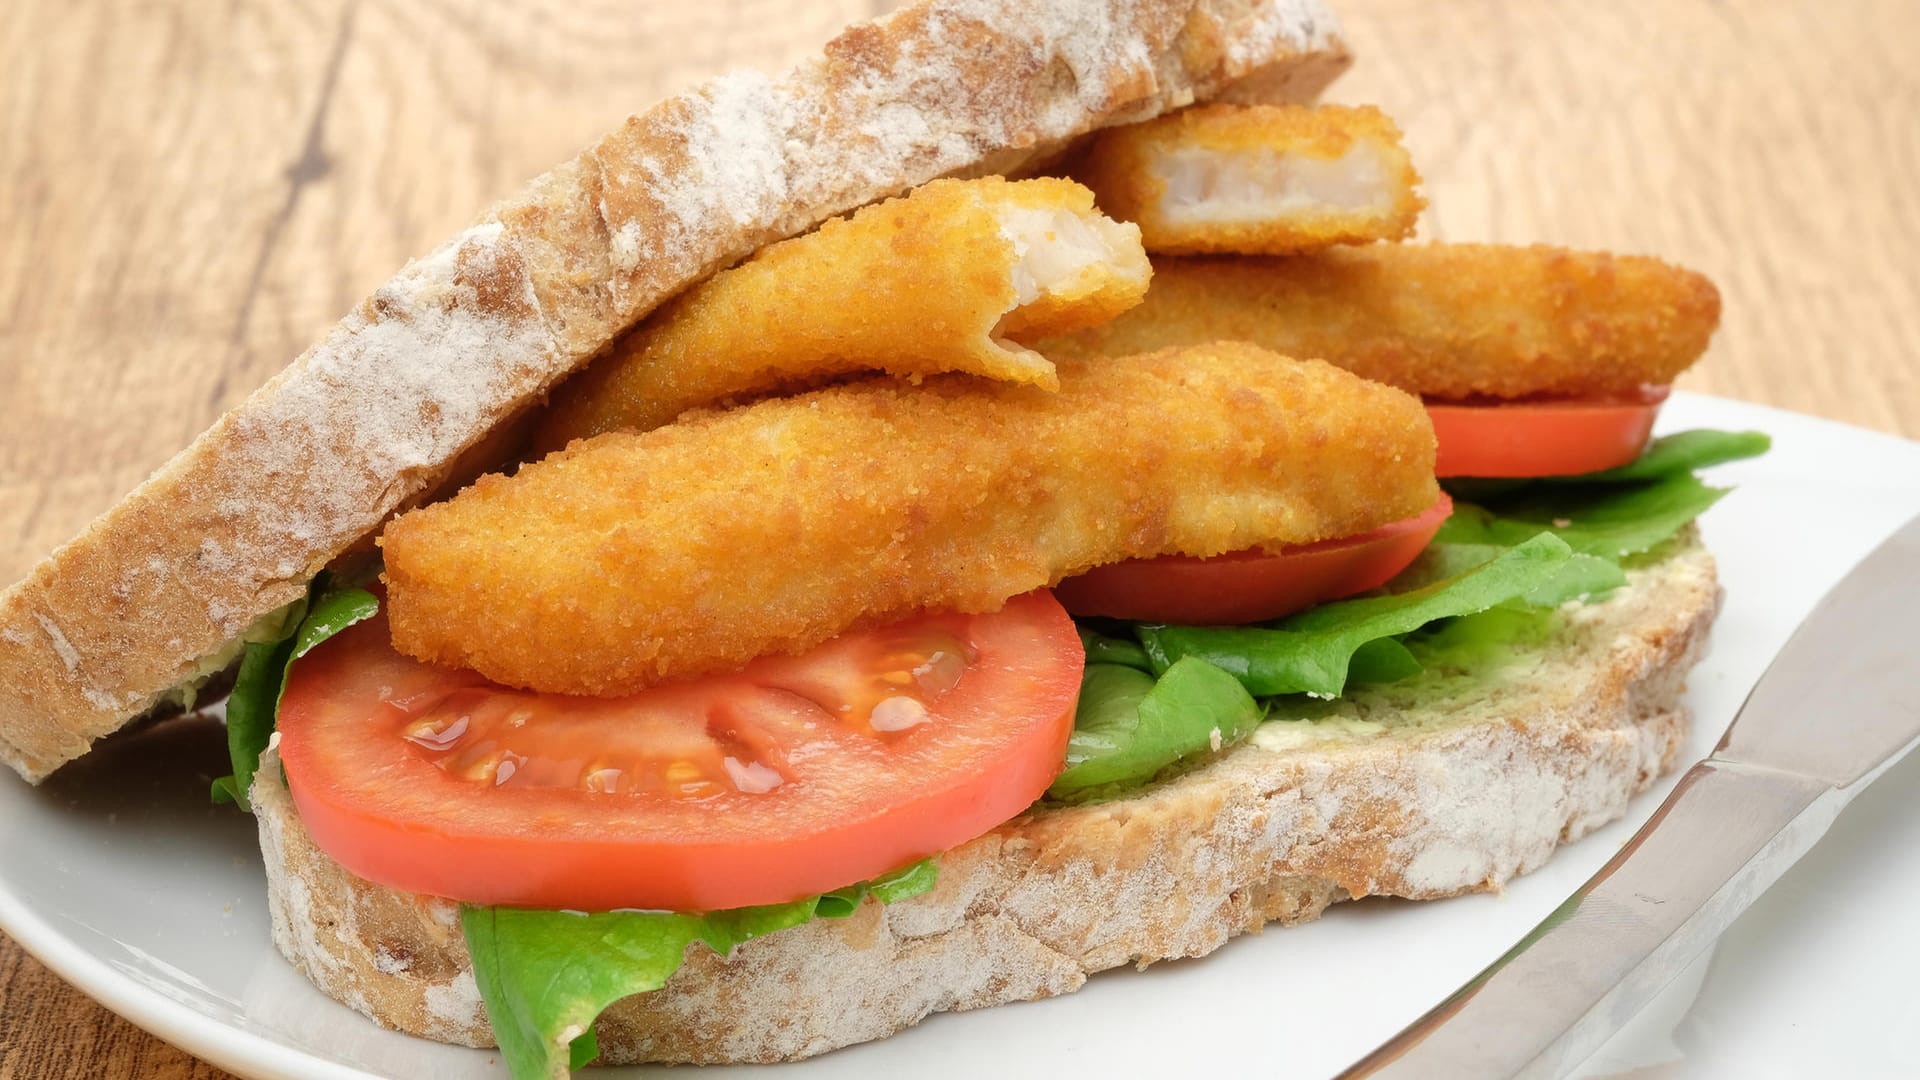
column 1251, row 586
column 1542, row 438
column 795, row 776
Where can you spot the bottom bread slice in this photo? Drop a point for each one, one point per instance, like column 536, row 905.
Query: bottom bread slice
column 1449, row 783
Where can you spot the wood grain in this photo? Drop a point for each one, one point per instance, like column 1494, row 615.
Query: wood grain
column 190, row 192
column 1770, row 145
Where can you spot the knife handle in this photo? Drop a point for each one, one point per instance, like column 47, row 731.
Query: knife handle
column 1726, row 833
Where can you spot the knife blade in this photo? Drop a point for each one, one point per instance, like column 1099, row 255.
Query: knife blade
column 1838, row 706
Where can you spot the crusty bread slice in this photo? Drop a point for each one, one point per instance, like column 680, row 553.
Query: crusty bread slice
column 1446, row 784
column 232, row 529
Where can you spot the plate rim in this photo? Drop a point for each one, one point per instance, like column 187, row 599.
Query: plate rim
column 221, row 1044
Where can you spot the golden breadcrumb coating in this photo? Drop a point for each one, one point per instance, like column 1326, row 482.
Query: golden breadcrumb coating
column 1257, row 179
column 629, row 559
column 944, row 279
column 1439, row 320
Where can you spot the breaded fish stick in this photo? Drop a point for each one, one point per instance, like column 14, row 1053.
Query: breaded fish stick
column 1444, row 321
column 630, row 559
column 1257, row 179
column 945, row 279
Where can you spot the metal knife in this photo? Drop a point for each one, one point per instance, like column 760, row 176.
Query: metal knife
column 1838, row 706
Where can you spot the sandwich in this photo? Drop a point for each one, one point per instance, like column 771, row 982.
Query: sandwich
column 673, row 621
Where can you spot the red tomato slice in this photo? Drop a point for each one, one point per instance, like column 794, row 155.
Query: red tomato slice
column 1251, row 586
column 796, row 776
column 1542, row 438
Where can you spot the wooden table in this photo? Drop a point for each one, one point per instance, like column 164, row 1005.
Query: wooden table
column 190, row 192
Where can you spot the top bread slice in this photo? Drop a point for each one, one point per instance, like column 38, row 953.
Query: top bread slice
column 159, row 589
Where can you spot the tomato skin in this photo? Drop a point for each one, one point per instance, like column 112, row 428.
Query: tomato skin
column 1251, row 586
column 859, row 803
column 1513, row 439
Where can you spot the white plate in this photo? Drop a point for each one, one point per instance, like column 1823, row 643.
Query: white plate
column 121, row 878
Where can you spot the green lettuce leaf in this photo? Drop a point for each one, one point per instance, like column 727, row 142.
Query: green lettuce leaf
column 1613, row 515
column 1482, row 642
column 1312, row 652
column 1383, row 660
column 1683, row 452
column 903, row 884
column 262, row 681
column 250, row 709
column 1107, row 649
column 1581, row 577
column 1130, row 725
column 1609, row 521
column 546, row 976
column 1584, row 578
column 1668, row 455
column 1106, row 718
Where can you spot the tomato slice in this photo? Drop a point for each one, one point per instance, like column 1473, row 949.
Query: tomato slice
column 796, row 776
column 1542, row 438
column 1251, row 586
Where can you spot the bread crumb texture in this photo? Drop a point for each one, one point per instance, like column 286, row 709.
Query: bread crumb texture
column 629, row 560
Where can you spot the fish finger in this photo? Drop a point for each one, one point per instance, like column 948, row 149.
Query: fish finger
column 1445, row 321
column 1257, row 179
column 630, row 559
column 949, row 278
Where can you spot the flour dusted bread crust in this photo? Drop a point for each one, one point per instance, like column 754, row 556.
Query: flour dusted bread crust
column 1450, row 783
column 376, row 413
